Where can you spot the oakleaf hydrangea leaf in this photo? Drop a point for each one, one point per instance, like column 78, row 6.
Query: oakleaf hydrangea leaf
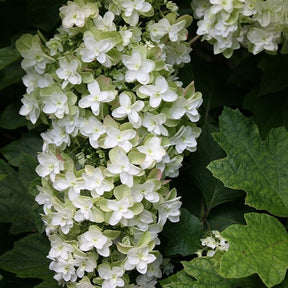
column 8, row 55
column 10, row 118
column 30, row 143
column 47, row 283
column 179, row 278
column 2, row 176
column 255, row 166
column 28, row 259
column 214, row 192
column 259, row 247
column 15, row 202
column 187, row 239
column 206, row 271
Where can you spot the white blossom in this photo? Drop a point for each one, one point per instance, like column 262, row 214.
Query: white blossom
column 122, row 208
column 56, row 104
column 120, row 165
column 30, row 107
column 119, row 138
column 96, row 49
column 163, row 27
column 49, row 165
column 64, row 270
column 35, row 58
column 158, row 92
column 133, row 7
column 145, row 190
column 126, row 108
column 85, row 212
column 93, row 129
column 73, row 14
column 139, row 258
column 139, row 68
column 33, row 80
column 154, row 123
column 96, row 97
column 153, row 150
column 63, row 218
column 185, row 138
column 105, row 23
column 169, row 209
column 59, row 248
column 95, row 181
column 71, row 182
column 94, row 238
column 85, row 263
column 68, row 72
column 111, row 275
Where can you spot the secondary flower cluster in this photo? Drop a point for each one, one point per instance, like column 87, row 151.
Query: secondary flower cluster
column 213, row 243
column 119, row 122
column 256, row 24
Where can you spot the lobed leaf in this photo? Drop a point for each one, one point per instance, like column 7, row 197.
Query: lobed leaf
column 11, row 74
column 255, row 166
column 175, row 279
column 187, row 239
column 8, row 55
column 213, row 190
column 10, row 118
column 28, row 258
column 206, row 271
column 15, row 201
column 30, row 144
column 259, row 247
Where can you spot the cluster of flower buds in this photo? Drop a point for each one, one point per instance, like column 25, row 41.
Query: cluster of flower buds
column 256, row 24
column 212, row 243
column 119, row 123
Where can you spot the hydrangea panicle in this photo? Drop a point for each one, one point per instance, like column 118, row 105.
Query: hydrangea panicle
column 119, row 123
column 258, row 25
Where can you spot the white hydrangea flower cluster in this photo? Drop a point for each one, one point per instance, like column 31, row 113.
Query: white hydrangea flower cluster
column 119, row 124
column 259, row 25
column 212, row 243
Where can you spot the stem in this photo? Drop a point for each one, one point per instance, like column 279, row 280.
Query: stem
column 194, row 39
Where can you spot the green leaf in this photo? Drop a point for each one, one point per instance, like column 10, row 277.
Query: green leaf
column 213, row 190
column 2, row 176
column 175, row 279
column 8, row 55
column 27, row 173
column 10, row 75
column 259, row 247
column 257, row 167
column 187, row 239
column 10, row 118
column 178, row 285
column 227, row 214
column 283, row 284
column 28, row 258
column 30, row 143
column 206, row 271
column 15, row 202
column 48, row 284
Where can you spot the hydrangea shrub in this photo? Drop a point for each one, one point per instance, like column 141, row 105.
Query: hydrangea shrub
column 257, row 25
column 119, row 122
